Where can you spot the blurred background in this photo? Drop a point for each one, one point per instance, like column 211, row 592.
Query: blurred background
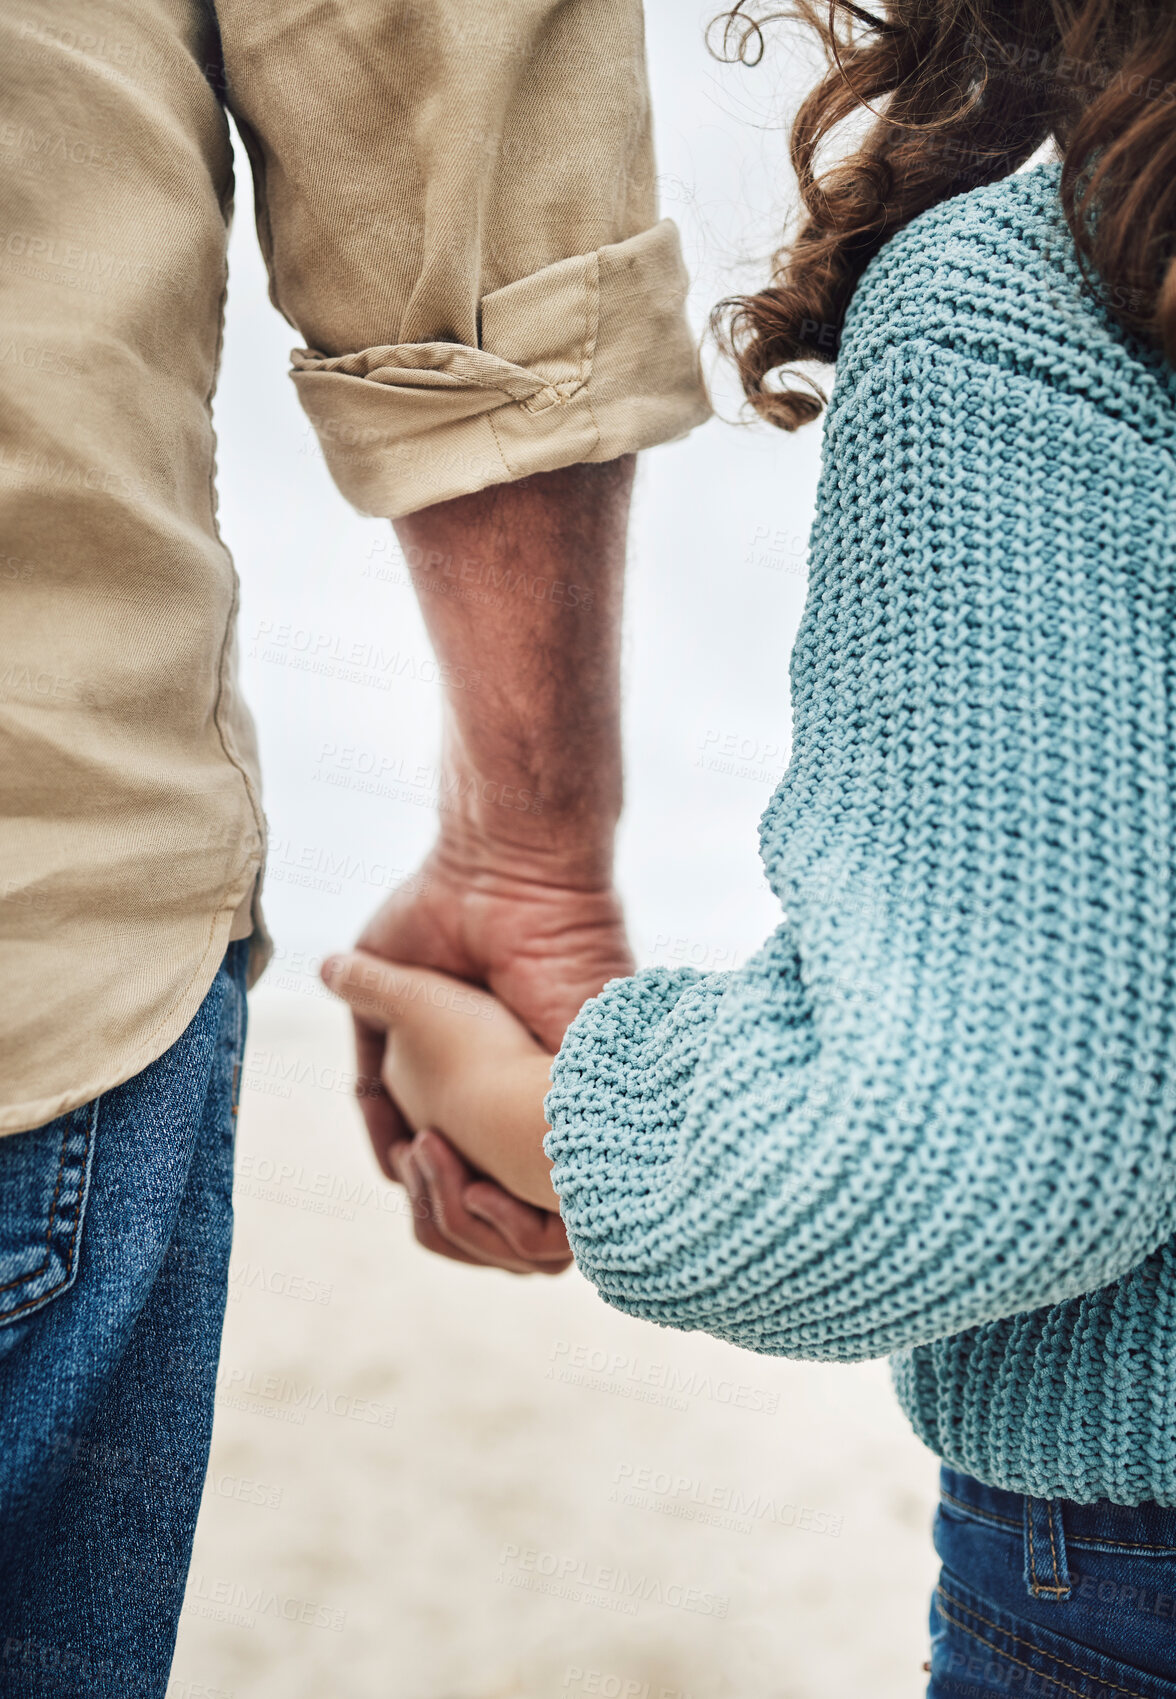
column 432, row 1482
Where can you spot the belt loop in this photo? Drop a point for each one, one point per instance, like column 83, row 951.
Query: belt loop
column 1047, row 1574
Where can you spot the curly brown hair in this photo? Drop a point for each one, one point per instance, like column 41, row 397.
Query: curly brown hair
column 963, row 92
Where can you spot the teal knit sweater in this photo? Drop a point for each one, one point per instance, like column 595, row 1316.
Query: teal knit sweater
column 935, row 1115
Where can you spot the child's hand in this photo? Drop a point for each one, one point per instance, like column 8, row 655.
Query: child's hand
column 456, row 1059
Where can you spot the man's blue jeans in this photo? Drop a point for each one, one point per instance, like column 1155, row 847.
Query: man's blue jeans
column 115, row 1230
column 1047, row 1598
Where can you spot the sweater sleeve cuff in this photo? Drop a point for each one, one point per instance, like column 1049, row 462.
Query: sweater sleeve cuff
column 588, row 359
column 619, row 1089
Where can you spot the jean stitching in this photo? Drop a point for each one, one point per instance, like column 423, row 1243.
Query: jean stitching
column 43, row 1297
column 1036, row 1587
column 1020, row 1662
column 1057, row 1574
column 22, row 1279
column 239, row 1007
column 1094, row 1543
column 1032, row 1554
column 1019, row 1640
column 1076, row 1540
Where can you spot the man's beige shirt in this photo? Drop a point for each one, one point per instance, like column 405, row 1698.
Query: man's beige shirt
column 457, row 207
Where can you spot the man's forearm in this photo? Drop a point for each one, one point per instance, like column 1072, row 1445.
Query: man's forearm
column 521, row 589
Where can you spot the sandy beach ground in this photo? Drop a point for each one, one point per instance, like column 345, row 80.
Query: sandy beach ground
column 432, row 1482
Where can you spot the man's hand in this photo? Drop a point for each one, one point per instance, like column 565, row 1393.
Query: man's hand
column 520, row 586
column 544, row 949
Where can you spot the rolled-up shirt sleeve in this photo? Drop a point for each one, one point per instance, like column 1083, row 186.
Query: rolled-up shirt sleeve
column 457, row 206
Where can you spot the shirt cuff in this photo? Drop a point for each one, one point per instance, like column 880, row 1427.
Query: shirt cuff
column 586, row 360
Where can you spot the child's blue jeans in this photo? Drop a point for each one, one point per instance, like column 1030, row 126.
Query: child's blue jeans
column 115, row 1229
column 1044, row 1597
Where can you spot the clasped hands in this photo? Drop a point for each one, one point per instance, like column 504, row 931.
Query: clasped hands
column 458, row 1063
column 460, row 990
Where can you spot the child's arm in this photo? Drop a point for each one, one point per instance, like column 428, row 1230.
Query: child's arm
column 943, row 1092
column 457, row 1060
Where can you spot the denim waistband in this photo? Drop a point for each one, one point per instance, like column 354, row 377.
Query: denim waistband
column 1049, row 1526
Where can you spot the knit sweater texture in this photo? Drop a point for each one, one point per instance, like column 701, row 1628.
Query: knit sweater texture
column 935, row 1115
